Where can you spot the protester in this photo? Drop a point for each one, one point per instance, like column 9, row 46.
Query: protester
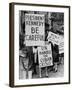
column 27, row 60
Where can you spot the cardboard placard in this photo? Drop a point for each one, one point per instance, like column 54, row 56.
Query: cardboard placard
column 54, row 38
column 45, row 56
column 61, row 46
column 34, row 29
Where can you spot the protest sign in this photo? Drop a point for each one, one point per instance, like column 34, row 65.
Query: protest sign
column 54, row 38
column 45, row 56
column 34, row 29
column 61, row 46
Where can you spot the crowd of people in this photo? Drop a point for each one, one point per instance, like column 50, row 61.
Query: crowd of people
column 28, row 57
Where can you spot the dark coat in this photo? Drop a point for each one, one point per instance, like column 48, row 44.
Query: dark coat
column 56, row 53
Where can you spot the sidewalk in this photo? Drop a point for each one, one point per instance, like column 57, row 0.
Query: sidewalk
column 51, row 73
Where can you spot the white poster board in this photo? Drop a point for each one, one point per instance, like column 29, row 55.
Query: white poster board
column 61, row 46
column 45, row 56
column 34, row 29
column 54, row 38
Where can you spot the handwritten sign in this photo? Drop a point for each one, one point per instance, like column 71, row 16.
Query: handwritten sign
column 34, row 29
column 61, row 46
column 54, row 38
column 45, row 56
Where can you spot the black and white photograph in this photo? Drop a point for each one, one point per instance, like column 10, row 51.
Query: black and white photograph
column 41, row 44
